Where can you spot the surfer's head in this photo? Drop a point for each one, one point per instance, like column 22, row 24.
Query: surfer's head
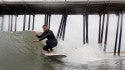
column 45, row 28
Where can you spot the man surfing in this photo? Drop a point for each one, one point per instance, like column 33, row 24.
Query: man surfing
column 51, row 39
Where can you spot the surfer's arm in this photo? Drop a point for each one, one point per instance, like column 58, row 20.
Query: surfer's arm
column 43, row 36
column 36, row 34
column 39, row 36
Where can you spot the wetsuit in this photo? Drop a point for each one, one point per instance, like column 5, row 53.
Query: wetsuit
column 51, row 42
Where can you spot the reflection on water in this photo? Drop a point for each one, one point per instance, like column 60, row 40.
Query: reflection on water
column 18, row 52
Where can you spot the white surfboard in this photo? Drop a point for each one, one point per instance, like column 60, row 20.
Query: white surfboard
column 55, row 55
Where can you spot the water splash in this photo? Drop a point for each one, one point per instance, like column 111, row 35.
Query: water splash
column 79, row 54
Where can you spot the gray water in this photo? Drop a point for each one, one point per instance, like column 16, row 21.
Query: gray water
column 19, row 52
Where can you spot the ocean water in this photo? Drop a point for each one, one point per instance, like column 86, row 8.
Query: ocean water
column 19, row 52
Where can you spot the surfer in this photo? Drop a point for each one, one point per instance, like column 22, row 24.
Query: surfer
column 51, row 39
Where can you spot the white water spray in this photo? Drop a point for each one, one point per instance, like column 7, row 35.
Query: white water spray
column 79, row 54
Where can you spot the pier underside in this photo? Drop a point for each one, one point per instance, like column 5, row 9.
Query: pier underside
column 61, row 7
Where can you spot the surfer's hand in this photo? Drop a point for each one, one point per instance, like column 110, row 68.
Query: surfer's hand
column 36, row 41
column 34, row 32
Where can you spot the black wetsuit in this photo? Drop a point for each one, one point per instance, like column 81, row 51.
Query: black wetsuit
column 51, row 42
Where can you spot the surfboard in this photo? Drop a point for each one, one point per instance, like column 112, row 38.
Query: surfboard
column 55, row 55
